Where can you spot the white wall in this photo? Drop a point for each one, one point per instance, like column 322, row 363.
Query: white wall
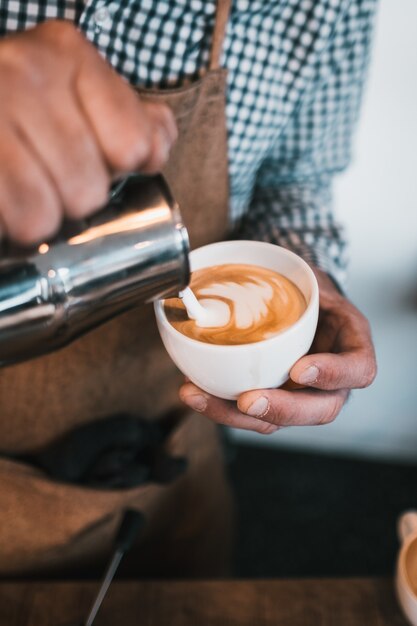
column 377, row 200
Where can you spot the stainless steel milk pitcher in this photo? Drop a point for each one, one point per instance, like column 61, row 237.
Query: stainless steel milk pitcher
column 132, row 251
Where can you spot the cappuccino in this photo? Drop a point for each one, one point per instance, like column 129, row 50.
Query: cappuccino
column 255, row 303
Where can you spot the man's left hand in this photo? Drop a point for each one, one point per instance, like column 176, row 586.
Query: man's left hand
column 341, row 358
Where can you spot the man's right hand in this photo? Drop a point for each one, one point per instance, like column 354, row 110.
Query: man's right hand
column 68, row 125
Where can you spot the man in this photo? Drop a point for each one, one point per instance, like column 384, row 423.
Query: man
column 70, row 125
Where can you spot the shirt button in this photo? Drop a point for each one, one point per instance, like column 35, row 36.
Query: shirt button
column 102, row 17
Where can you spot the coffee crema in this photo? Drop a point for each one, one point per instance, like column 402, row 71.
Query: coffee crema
column 261, row 303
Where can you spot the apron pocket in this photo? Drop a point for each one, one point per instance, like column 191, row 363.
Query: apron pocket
column 118, row 452
column 45, row 522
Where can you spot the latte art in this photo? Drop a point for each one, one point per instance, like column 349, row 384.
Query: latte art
column 247, row 303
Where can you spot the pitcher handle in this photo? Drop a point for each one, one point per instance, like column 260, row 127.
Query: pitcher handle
column 407, row 525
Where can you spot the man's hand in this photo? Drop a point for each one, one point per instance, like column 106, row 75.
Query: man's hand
column 342, row 358
column 68, row 125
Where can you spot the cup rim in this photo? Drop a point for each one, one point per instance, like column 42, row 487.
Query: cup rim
column 162, row 318
column 402, row 569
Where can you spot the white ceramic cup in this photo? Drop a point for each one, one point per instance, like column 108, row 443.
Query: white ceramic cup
column 406, row 573
column 228, row 371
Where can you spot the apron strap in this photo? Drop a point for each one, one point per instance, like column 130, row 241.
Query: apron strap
column 222, row 17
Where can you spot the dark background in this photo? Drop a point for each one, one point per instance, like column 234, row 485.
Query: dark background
column 303, row 514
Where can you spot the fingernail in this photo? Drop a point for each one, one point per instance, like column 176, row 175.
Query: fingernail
column 259, row 408
column 196, row 402
column 310, row 375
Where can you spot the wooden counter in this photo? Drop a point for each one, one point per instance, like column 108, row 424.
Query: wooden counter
column 313, row 602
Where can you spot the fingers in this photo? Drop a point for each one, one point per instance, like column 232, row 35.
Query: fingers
column 265, row 411
column 131, row 135
column 162, row 115
column 293, row 408
column 62, row 141
column 350, row 370
column 166, row 134
column 29, row 205
column 351, row 364
column 222, row 411
column 69, row 124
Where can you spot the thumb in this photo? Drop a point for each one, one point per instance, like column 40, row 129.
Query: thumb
column 349, row 370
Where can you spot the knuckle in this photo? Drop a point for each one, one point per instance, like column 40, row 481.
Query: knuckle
column 82, row 177
column 366, row 324
column 369, row 374
column 84, row 198
column 37, row 58
column 159, row 155
column 33, row 213
column 327, row 418
column 334, row 378
column 339, row 401
column 130, row 154
column 265, row 428
column 34, row 225
column 227, row 419
column 64, row 32
column 333, row 411
column 276, row 413
column 16, row 56
column 22, row 232
column 167, row 118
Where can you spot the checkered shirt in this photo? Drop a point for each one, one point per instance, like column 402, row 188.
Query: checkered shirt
column 296, row 70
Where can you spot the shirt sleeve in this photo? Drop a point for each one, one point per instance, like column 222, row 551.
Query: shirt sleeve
column 292, row 202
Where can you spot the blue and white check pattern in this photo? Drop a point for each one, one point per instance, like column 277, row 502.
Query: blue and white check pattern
column 296, row 73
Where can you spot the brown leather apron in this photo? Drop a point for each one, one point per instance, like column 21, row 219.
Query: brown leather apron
column 123, row 367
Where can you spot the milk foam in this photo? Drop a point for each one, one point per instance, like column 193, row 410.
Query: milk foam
column 247, row 300
column 217, row 313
